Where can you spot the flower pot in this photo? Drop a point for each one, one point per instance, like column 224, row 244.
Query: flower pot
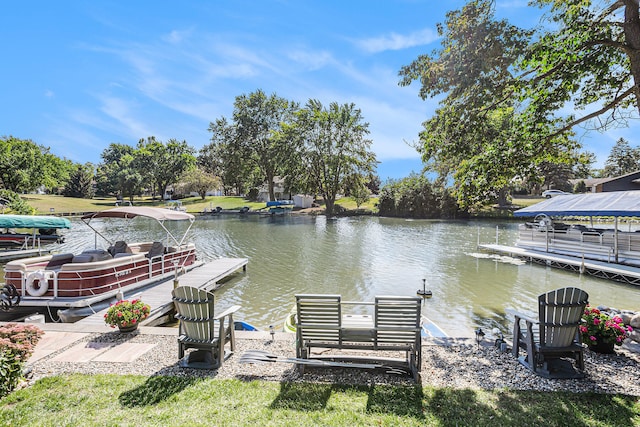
column 129, row 328
column 602, row 347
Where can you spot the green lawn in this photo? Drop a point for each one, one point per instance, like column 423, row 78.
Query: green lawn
column 125, row 400
column 44, row 203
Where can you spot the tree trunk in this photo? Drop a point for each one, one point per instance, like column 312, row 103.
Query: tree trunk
column 632, row 39
column 329, row 204
column 270, row 185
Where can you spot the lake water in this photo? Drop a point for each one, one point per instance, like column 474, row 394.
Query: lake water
column 360, row 257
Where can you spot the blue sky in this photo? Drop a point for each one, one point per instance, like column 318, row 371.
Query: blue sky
column 79, row 75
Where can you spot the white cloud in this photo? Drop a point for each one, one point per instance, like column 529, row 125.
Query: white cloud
column 394, row 41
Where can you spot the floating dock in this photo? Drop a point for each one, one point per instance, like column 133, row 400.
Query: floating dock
column 8, row 255
column 158, row 296
column 602, row 269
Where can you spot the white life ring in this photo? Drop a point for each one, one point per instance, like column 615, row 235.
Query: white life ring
column 38, row 283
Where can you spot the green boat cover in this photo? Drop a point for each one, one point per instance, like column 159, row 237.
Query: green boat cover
column 33, row 221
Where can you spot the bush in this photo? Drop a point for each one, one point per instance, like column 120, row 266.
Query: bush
column 417, row 197
column 17, row 342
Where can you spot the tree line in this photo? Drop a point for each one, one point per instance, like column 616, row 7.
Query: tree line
column 319, row 150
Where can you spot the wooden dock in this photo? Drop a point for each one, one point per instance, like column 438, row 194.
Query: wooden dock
column 602, row 269
column 158, row 296
column 7, row 255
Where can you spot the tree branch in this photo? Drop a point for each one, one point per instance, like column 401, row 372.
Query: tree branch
column 588, row 117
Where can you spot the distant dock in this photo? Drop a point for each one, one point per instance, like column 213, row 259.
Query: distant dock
column 158, row 296
column 8, row 255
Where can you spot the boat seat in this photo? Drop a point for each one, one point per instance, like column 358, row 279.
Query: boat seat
column 156, row 250
column 58, row 260
column 120, row 247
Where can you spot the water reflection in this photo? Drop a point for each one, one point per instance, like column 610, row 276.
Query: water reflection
column 366, row 256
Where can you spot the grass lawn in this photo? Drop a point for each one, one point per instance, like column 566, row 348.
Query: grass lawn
column 43, row 203
column 124, row 400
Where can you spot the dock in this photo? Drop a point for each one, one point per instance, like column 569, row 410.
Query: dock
column 158, row 296
column 602, row 269
column 8, row 255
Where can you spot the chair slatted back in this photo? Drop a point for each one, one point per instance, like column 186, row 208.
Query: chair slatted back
column 397, row 319
column 560, row 312
column 195, row 310
column 319, row 317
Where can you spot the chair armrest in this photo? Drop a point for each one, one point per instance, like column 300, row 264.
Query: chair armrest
column 227, row 312
column 525, row 317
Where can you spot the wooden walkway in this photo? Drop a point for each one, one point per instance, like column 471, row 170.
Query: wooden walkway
column 158, row 296
column 6, row 255
column 602, row 269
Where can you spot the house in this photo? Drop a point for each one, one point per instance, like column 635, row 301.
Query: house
column 628, row 182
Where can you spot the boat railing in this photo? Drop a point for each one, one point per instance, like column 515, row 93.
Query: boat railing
column 587, row 244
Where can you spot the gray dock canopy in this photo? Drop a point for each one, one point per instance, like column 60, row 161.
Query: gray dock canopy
column 614, row 203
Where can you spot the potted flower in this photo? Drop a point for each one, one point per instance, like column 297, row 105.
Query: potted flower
column 126, row 315
column 601, row 331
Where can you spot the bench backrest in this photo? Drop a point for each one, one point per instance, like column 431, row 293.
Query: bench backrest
column 397, row 319
column 319, row 317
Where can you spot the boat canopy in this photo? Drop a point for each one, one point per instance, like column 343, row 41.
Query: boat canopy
column 614, row 203
column 33, row 221
column 127, row 212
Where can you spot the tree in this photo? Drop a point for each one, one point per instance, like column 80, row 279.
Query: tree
column 622, row 160
column 80, row 182
column 199, row 181
column 223, row 157
column 332, row 147
column 163, row 163
column 478, row 134
column 588, row 58
column 22, row 164
column 109, row 176
column 258, row 123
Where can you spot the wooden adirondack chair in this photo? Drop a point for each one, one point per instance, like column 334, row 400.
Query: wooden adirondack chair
column 196, row 313
column 554, row 337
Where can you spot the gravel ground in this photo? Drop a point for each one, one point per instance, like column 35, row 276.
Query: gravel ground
column 460, row 364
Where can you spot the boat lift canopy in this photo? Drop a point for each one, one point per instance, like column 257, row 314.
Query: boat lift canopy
column 33, row 221
column 128, row 212
column 614, row 203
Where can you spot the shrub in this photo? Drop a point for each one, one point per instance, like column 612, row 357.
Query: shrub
column 17, row 342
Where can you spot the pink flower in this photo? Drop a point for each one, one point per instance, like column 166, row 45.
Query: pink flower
column 583, row 329
column 596, row 321
column 592, row 338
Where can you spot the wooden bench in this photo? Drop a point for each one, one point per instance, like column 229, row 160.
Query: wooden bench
column 394, row 326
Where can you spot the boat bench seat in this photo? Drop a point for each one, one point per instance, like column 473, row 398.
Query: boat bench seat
column 108, row 263
column 92, row 255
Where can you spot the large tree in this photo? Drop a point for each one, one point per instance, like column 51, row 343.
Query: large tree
column 111, row 174
column 163, row 163
column 224, row 158
column 23, row 164
column 333, row 147
column 475, row 135
column 258, row 121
